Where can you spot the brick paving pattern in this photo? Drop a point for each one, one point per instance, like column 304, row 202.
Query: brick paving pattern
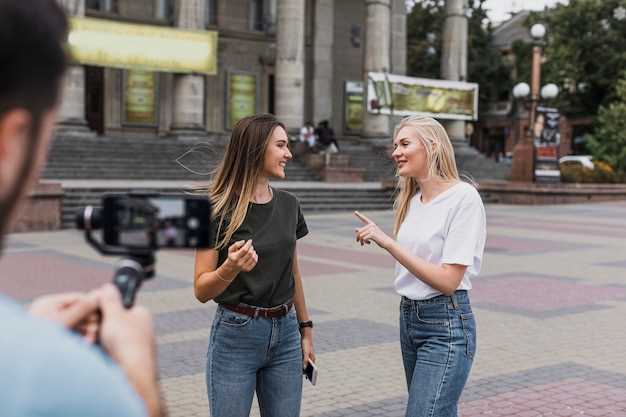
column 549, row 304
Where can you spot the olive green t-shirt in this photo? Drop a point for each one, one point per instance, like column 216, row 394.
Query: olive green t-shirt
column 274, row 228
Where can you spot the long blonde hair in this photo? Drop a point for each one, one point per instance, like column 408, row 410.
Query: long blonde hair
column 439, row 158
column 235, row 177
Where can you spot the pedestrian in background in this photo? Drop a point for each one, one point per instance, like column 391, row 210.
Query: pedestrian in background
column 257, row 342
column 326, row 137
column 440, row 231
column 308, row 136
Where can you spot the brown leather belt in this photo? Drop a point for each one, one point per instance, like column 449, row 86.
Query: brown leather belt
column 273, row 312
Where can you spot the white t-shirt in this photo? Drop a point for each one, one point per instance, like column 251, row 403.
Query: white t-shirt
column 449, row 229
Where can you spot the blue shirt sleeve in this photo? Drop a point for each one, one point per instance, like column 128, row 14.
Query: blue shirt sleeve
column 78, row 381
column 47, row 371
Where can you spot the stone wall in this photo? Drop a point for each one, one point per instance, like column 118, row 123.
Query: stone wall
column 41, row 210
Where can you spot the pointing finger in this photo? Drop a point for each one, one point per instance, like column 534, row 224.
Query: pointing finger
column 363, row 218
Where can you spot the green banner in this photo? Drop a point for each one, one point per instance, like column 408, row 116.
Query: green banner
column 353, row 106
column 140, row 96
column 241, row 97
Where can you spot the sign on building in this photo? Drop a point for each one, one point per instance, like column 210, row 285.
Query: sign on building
column 353, row 106
column 140, row 97
column 241, row 97
column 547, row 139
column 112, row 44
column 405, row 96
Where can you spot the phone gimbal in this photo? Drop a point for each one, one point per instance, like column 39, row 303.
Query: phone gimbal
column 136, row 265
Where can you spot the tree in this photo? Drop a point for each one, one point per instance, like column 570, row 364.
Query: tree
column 485, row 63
column 585, row 52
column 424, row 24
column 608, row 141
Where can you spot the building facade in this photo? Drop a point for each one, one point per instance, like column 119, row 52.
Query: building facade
column 303, row 60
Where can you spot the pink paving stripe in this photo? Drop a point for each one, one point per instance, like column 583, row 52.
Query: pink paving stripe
column 27, row 275
column 526, row 245
column 314, row 268
column 566, row 398
column 541, row 294
column 359, row 258
column 561, row 227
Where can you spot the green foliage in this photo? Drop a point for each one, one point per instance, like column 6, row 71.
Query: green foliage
column 423, row 54
column 585, row 45
column 486, row 67
column 601, row 173
column 608, row 140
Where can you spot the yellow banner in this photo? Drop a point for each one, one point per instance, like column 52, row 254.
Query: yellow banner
column 404, row 96
column 153, row 48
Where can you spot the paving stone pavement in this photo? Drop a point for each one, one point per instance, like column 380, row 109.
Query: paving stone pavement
column 549, row 305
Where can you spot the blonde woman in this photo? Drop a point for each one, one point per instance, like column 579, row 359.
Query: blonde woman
column 440, row 238
column 257, row 342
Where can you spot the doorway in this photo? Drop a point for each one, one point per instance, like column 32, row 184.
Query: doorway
column 94, row 98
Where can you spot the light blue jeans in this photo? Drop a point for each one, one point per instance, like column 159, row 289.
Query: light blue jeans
column 438, row 341
column 247, row 354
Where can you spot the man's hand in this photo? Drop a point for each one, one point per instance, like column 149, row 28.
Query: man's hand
column 125, row 333
column 75, row 311
column 128, row 337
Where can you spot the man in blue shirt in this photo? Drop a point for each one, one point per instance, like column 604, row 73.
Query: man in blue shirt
column 48, row 364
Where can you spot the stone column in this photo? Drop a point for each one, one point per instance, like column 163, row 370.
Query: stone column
column 289, row 74
column 188, row 100
column 72, row 113
column 323, row 60
column 398, row 37
column 454, row 55
column 377, row 59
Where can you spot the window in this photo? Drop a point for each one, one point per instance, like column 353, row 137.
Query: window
column 211, row 13
column 263, row 15
column 102, row 5
column 164, row 10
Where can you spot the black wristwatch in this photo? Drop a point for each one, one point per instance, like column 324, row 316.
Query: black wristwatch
column 304, row 324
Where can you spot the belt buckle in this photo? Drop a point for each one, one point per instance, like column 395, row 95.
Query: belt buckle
column 286, row 309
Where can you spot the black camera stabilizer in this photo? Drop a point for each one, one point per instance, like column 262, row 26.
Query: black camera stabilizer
column 136, row 265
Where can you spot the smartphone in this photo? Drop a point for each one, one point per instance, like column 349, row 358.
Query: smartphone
column 310, row 372
column 156, row 221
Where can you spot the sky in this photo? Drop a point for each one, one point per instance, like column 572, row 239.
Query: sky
column 500, row 9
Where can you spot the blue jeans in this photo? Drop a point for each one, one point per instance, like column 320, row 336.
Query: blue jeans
column 438, row 341
column 247, row 354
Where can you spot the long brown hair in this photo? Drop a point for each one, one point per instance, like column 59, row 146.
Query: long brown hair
column 439, row 157
column 235, row 177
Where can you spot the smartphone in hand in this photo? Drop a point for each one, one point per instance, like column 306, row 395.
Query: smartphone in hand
column 310, row 372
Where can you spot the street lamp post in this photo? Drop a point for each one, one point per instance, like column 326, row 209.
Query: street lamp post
column 523, row 165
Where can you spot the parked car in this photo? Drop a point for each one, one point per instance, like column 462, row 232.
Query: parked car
column 585, row 161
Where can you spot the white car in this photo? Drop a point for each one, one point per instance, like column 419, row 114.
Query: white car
column 582, row 160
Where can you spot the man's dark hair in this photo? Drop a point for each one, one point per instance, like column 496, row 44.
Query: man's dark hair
column 32, row 64
column 32, row 39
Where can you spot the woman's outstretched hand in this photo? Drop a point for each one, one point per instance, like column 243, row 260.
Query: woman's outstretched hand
column 371, row 232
